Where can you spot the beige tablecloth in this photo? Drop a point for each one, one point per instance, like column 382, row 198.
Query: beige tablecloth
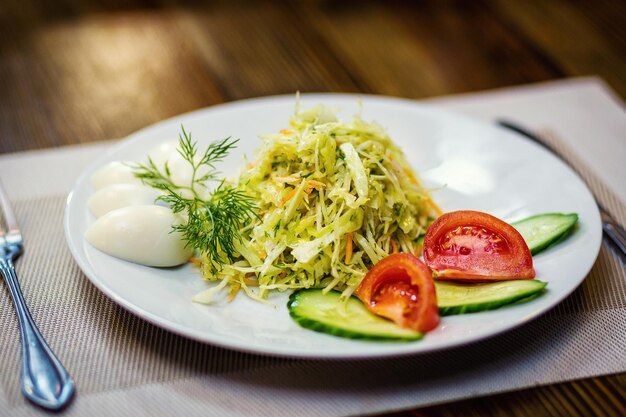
column 124, row 366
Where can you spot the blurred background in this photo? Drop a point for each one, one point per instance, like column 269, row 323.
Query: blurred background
column 86, row 70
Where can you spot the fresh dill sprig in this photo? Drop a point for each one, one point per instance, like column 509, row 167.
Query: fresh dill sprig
column 214, row 227
column 213, row 221
column 152, row 175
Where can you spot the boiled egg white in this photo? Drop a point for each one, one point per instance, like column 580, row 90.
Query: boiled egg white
column 163, row 153
column 140, row 234
column 181, row 171
column 121, row 195
column 116, row 172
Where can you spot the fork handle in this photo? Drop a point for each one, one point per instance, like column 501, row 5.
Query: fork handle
column 614, row 231
column 44, row 379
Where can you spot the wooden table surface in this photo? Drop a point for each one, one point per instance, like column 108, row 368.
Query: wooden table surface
column 77, row 71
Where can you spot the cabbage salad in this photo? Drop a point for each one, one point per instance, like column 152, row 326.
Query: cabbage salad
column 333, row 198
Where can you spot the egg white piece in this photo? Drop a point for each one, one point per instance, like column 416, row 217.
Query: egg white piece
column 164, row 152
column 116, row 172
column 140, row 234
column 181, row 171
column 121, row 195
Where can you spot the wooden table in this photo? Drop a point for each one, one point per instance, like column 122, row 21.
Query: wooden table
column 79, row 71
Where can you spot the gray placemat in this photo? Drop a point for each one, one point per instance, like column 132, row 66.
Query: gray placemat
column 112, row 353
column 124, row 366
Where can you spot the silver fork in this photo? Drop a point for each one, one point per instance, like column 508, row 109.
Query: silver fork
column 44, row 379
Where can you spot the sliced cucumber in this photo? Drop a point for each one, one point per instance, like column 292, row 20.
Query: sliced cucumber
column 461, row 298
column 328, row 313
column 545, row 230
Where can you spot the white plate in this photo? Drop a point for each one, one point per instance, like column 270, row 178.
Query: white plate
column 475, row 165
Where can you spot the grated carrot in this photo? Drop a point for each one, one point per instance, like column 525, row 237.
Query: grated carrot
column 409, row 173
column 195, row 261
column 249, row 281
column 418, row 250
column 312, row 185
column 435, row 207
column 394, row 246
column 286, row 131
column 348, row 247
column 234, row 289
column 288, row 197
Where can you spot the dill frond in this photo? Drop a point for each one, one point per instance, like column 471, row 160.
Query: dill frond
column 213, row 222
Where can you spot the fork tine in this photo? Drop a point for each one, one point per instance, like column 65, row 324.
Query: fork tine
column 9, row 217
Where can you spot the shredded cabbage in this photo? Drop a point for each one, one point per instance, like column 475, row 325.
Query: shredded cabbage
column 334, row 198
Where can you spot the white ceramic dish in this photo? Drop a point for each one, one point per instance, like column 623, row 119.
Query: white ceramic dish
column 473, row 164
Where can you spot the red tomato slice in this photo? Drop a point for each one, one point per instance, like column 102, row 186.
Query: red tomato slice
column 401, row 288
column 475, row 246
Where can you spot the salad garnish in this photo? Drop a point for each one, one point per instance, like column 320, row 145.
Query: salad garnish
column 213, row 217
column 469, row 245
column 401, row 288
column 333, row 199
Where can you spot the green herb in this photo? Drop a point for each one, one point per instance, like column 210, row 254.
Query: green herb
column 213, row 222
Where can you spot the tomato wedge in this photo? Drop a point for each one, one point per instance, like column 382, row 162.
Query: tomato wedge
column 400, row 287
column 474, row 246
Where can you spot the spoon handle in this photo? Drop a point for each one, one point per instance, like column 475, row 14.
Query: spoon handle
column 44, row 379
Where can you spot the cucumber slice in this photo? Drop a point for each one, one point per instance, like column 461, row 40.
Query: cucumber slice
column 329, row 313
column 545, row 230
column 461, row 298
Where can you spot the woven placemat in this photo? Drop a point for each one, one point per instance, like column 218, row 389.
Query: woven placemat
column 124, row 366
column 109, row 350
